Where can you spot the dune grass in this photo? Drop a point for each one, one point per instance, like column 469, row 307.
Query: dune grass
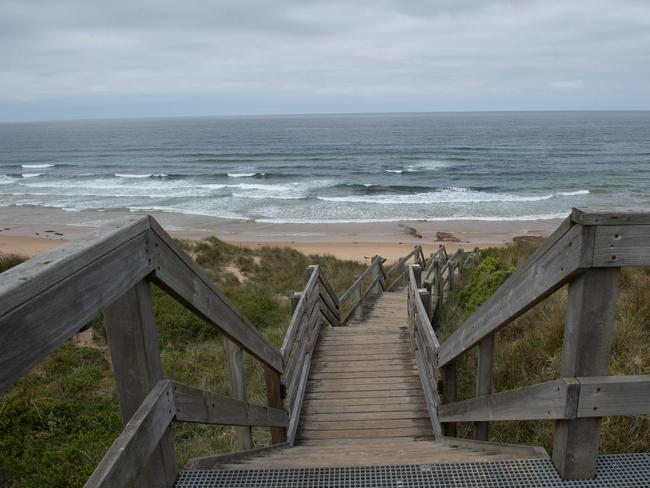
column 528, row 350
column 57, row 422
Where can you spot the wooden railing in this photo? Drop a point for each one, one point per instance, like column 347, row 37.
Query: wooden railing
column 397, row 275
column 317, row 300
column 46, row 300
column 426, row 291
column 586, row 252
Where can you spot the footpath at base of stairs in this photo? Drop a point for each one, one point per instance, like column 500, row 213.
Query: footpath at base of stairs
column 618, row 470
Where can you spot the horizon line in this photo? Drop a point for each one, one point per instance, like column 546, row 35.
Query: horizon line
column 312, row 114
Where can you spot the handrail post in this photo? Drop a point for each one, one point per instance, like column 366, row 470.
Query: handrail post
column 135, row 353
column 451, row 272
column 481, row 430
column 425, row 296
column 375, row 276
column 274, row 399
column 591, row 307
column 449, row 394
column 358, row 311
column 417, row 272
column 295, row 298
column 439, row 290
column 235, row 357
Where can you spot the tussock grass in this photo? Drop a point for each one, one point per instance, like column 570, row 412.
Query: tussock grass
column 528, row 350
column 57, row 422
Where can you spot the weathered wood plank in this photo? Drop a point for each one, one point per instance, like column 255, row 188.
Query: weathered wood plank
column 38, row 319
column 379, row 415
column 602, row 396
column 135, row 353
column 296, row 318
column 570, row 255
column 200, row 406
column 317, row 407
column 130, row 452
column 238, row 385
column 318, row 386
column 430, row 396
column 481, row 430
column 355, row 285
column 182, row 278
column 327, row 287
column 588, row 334
column 309, row 424
column 274, row 400
column 297, row 406
column 545, row 401
column 27, row 280
column 364, row 394
column 365, row 433
column 371, row 375
column 622, row 245
column 591, row 217
column 449, row 394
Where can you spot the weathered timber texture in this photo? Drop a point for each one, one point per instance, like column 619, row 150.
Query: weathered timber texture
column 200, row 406
column 75, row 294
column 614, row 395
column 238, row 385
column 135, row 353
column 537, row 279
column 588, row 334
column 481, row 430
column 130, row 452
column 555, row 399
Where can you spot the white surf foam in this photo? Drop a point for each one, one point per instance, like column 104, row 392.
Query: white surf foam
column 37, row 166
column 31, row 175
column 6, row 180
column 574, row 193
column 449, row 195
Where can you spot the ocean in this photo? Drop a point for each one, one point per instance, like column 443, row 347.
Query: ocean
column 335, row 168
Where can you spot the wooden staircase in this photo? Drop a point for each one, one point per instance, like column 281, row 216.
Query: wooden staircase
column 361, row 391
column 364, row 405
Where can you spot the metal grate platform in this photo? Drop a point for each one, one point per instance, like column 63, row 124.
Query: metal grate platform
column 620, row 470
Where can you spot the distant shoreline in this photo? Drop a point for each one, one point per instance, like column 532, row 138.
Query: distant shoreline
column 34, row 230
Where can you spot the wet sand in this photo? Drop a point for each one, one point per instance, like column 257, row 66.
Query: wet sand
column 32, row 230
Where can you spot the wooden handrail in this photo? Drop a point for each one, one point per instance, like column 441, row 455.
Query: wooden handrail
column 166, row 402
column 561, row 399
column 317, row 299
column 47, row 299
column 586, row 252
column 425, row 345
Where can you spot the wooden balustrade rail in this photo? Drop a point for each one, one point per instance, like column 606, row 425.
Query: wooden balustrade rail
column 586, row 252
column 317, row 302
column 47, row 299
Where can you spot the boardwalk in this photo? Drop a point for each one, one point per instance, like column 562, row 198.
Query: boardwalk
column 364, row 404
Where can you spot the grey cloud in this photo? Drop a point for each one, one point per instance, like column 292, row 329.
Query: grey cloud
column 429, row 54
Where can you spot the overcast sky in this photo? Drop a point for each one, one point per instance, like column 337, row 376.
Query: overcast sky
column 88, row 58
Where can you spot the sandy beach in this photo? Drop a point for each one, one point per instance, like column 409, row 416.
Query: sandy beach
column 30, row 231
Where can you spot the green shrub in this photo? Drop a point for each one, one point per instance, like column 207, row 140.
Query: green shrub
column 486, row 278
